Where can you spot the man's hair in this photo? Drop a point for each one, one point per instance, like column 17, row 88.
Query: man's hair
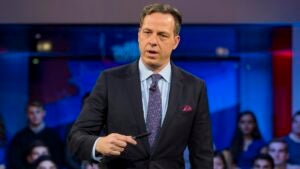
column 296, row 114
column 165, row 9
column 279, row 140
column 36, row 103
column 266, row 157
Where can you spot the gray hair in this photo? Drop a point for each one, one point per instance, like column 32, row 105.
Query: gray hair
column 165, row 9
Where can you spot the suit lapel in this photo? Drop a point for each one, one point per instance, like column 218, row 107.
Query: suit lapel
column 174, row 98
column 133, row 86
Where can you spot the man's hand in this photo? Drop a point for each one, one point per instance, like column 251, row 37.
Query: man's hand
column 113, row 144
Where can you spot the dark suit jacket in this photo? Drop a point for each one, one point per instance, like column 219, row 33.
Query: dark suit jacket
column 116, row 103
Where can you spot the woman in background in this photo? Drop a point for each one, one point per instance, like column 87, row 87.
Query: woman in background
column 44, row 162
column 247, row 142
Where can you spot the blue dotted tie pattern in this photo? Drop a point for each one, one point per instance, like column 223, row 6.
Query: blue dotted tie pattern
column 153, row 120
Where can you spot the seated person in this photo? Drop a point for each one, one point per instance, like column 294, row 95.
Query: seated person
column 293, row 141
column 219, row 161
column 36, row 150
column 247, row 142
column 2, row 144
column 278, row 150
column 36, row 130
column 263, row 161
column 88, row 165
column 44, row 162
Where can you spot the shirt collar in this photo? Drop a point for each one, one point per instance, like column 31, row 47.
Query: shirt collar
column 38, row 128
column 145, row 72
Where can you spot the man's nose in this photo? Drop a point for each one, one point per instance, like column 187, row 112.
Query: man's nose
column 153, row 40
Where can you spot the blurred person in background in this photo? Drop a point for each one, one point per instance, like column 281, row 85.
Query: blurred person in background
column 35, row 130
column 36, row 150
column 247, row 141
column 2, row 144
column 219, row 161
column 263, row 161
column 44, row 162
column 278, row 150
column 89, row 165
column 293, row 140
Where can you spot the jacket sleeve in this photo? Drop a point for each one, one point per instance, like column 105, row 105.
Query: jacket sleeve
column 90, row 122
column 200, row 141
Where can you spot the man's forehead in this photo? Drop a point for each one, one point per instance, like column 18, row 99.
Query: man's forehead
column 34, row 108
column 277, row 145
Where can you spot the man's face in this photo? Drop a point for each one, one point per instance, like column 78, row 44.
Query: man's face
column 157, row 40
column 278, row 152
column 36, row 152
column 35, row 115
column 46, row 165
column 246, row 124
column 218, row 163
column 296, row 125
column 262, row 164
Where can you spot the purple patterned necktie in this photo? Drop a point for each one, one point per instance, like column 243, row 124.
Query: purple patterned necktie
column 153, row 121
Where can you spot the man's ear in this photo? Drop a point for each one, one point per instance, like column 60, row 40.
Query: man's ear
column 177, row 40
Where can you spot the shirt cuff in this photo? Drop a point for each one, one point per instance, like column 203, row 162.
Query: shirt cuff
column 94, row 156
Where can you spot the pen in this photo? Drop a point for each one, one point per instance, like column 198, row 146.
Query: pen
column 141, row 135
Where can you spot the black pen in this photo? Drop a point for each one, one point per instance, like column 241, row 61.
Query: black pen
column 141, row 135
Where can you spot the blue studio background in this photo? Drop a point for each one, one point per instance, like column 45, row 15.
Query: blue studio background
column 234, row 60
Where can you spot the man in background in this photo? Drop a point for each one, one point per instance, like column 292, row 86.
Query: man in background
column 263, row 161
column 293, row 141
column 36, row 130
column 278, row 150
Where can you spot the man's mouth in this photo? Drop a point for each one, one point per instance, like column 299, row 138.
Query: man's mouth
column 152, row 52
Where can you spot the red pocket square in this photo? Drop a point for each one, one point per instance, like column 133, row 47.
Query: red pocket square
column 186, row 108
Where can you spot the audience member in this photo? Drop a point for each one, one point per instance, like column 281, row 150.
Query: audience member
column 2, row 144
column 219, row 161
column 278, row 150
column 293, row 141
column 44, row 162
column 263, row 161
column 36, row 130
column 36, row 150
column 88, row 165
column 247, row 141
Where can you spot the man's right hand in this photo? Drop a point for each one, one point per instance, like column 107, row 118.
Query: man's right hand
column 113, row 144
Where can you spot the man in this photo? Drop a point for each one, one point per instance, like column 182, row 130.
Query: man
column 150, row 95
column 278, row 150
column 36, row 130
column 293, row 141
column 263, row 161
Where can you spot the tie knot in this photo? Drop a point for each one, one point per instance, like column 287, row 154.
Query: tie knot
column 155, row 78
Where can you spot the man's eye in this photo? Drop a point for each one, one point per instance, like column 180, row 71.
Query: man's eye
column 163, row 35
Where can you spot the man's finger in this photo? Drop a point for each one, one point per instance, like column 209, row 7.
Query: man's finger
column 130, row 140
column 119, row 143
column 127, row 139
column 116, row 148
column 115, row 153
